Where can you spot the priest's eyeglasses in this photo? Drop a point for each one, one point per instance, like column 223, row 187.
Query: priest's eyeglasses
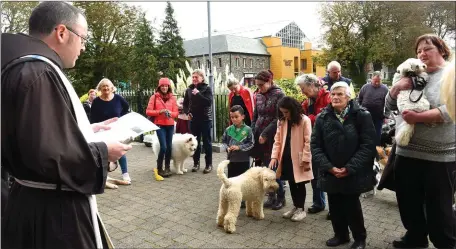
column 83, row 39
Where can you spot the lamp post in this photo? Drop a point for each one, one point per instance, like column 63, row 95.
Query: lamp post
column 211, row 77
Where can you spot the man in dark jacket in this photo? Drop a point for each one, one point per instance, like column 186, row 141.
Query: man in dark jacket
column 44, row 144
column 343, row 151
column 198, row 105
column 334, row 75
column 372, row 97
column 92, row 94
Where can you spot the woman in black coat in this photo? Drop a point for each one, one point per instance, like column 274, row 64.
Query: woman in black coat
column 343, row 151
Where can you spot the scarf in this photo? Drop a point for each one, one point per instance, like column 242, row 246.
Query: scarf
column 343, row 114
column 164, row 97
column 237, row 134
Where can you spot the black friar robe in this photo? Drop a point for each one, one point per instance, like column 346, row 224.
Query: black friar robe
column 41, row 142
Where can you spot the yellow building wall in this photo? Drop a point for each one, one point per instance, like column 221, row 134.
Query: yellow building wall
column 276, row 58
column 307, row 54
column 282, row 59
column 272, row 41
column 288, row 63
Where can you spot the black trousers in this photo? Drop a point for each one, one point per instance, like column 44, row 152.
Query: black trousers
column 346, row 212
column 298, row 193
column 237, row 168
column 202, row 130
column 425, row 192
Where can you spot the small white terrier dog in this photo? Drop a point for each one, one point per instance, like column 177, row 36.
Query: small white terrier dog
column 250, row 186
column 404, row 100
column 184, row 146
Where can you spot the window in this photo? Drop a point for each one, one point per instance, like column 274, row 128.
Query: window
column 303, row 64
column 258, row 63
column 220, row 62
column 208, row 64
column 198, row 63
column 251, row 63
column 237, row 62
column 243, row 62
column 314, row 68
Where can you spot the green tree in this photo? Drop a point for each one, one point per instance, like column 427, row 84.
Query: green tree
column 171, row 48
column 144, row 59
column 15, row 16
column 364, row 32
column 110, row 45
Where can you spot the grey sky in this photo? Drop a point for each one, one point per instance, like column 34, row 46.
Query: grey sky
column 192, row 16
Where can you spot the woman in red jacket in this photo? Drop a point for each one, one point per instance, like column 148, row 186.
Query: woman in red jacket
column 242, row 96
column 163, row 108
column 317, row 99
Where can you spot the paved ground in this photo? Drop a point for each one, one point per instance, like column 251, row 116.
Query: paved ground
column 180, row 212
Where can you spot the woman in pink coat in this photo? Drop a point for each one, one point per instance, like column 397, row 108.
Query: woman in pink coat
column 291, row 153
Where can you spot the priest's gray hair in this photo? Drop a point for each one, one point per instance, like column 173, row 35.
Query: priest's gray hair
column 342, row 84
column 307, row 79
column 334, row 64
column 47, row 15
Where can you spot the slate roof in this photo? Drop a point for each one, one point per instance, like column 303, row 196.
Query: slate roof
column 259, row 31
column 225, row 44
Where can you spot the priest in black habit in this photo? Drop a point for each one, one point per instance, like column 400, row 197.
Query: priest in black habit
column 47, row 140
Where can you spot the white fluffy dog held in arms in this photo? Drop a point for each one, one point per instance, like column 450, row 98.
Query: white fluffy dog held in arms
column 251, row 186
column 410, row 100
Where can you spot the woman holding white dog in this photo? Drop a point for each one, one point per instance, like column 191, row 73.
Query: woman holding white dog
column 163, row 108
column 343, row 151
column 291, row 156
column 425, row 168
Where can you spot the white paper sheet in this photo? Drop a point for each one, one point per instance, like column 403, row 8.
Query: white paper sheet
column 128, row 126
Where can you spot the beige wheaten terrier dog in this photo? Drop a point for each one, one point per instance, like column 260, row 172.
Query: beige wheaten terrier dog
column 250, row 186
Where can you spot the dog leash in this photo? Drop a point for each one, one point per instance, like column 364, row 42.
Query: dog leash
column 418, row 84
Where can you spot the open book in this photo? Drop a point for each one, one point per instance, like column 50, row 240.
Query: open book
column 126, row 128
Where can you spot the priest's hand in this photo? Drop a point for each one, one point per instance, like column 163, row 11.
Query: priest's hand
column 103, row 125
column 116, row 150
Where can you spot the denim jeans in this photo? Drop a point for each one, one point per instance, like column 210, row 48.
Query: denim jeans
column 202, row 129
column 318, row 197
column 281, row 190
column 123, row 164
column 165, row 137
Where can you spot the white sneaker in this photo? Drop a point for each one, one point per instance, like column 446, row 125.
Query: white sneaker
column 290, row 213
column 126, row 177
column 299, row 215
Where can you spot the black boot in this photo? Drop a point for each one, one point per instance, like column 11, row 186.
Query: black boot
column 208, row 169
column 167, row 172
column 271, row 200
column 196, row 167
column 280, row 203
column 160, row 170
